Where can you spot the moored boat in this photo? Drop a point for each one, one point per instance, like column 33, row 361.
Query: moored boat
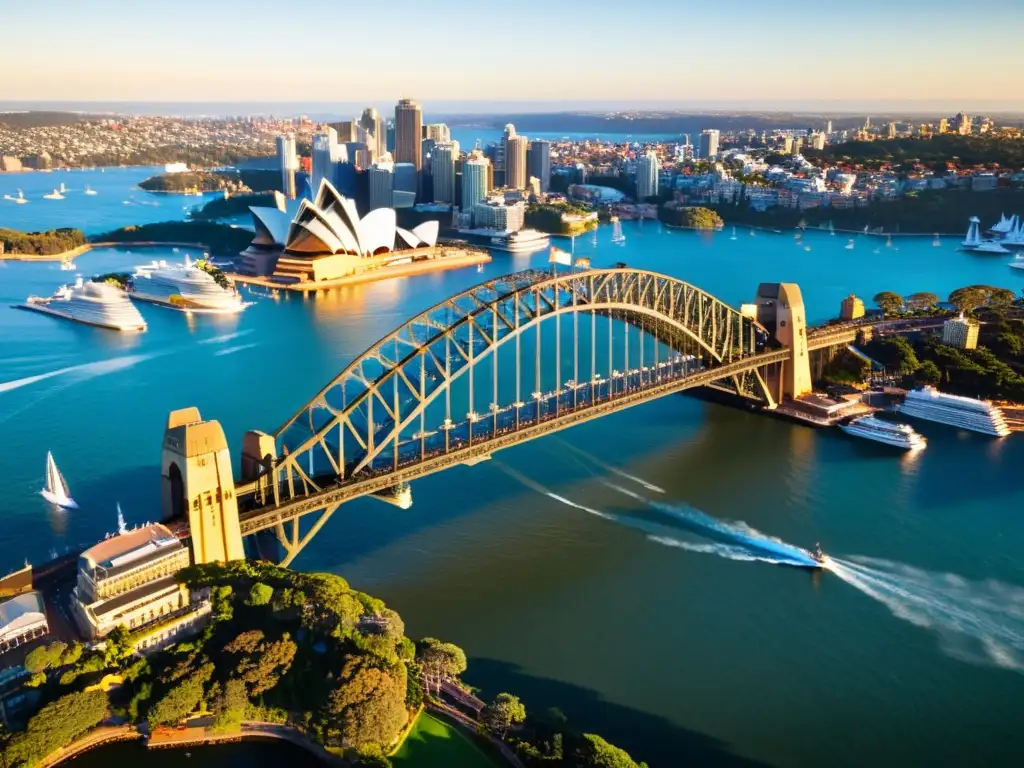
column 897, row 435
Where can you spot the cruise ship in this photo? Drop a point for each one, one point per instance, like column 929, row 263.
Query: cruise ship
column 185, row 287
column 523, row 241
column 897, row 435
column 99, row 304
column 956, row 411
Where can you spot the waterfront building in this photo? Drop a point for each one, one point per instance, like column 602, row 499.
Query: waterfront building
column 381, row 178
column 515, row 162
column 851, row 308
column 647, row 169
column 130, row 580
column 442, row 169
column 22, row 620
column 409, row 134
column 497, row 213
column 539, row 163
column 709, row 143
column 438, row 132
column 376, row 130
column 288, row 162
column 960, row 332
column 475, row 173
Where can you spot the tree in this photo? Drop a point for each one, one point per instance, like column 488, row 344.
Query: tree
column 55, row 725
column 595, row 752
column 889, row 302
column 501, row 714
column 368, row 706
column 182, row 699
column 440, row 661
column 928, row 373
column 45, row 656
column 229, row 707
column 968, row 299
column 895, row 353
column 260, row 594
column 119, row 647
column 1000, row 297
column 923, row 300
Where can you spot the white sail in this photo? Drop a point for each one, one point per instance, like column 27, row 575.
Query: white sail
column 56, row 490
column 122, row 527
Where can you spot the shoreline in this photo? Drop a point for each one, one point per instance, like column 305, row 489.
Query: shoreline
column 67, row 255
column 464, row 259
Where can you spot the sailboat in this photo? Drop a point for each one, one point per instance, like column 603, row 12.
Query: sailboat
column 849, row 245
column 56, row 490
column 937, row 242
column 617, row 237
column 733, row 237
column 20, row 199
column 89, row 190
column 57, row 194
column 888, row 242
column 122, row 527
column 831, row 229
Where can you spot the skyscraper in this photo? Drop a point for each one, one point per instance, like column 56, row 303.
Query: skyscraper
column 892, row 131
column 709, row 144
column 515, row 162
column 347, row 130
column 373, row 124
column 817, row 140
column 500, row 157
column 409, row 133
column 288, row 163
column 828, row 127
column 405, row 177
column 963, row 124
column 442, row 167
column 474, row 180
column 539, row 165
column 647, row 168
column 325, row 154
column 382, row 180
column 438, row 132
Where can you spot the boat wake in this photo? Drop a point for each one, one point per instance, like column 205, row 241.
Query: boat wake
column 535, row 486
column 979, row 622
column 226, row 337
column 609, row 468
column 728, row 551
column 232, row 350
column 80, row 372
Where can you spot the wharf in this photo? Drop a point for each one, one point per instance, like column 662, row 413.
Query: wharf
column 821, row 411
column 449, row 258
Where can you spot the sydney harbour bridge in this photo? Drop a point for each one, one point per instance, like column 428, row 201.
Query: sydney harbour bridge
column 506, row 361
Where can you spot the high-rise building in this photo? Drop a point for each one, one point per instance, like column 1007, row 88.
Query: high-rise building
column 963, row 124
column 374, row 125
column 539, row 163
column 961, row 333
column 324, row 155
column 867, row 123
column 828, row 127
column 891, row 133
column 709, row 144
column 381, row 182
column 787, row 145
column 288, row 162
column 501, row 155
column 647, row 169
column 943, row 125
column 346, row 130
column 798, row 145
column 475, row 172
column 405, row 177
column 817, row 140
column 500, row 215
column 515, row 162
column 438, row 132
column 409, row 134
column 442, row 168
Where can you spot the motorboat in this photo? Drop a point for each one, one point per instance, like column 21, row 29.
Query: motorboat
column 56, row 490
column 67, row 266
column 820, row 557
column 974, row 244
column 897, row 435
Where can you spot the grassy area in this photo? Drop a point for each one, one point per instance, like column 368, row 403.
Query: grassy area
column 434, row 744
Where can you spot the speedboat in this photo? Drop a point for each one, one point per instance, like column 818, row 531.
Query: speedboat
column 820, row 557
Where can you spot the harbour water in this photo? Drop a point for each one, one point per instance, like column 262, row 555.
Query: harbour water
column 572, row 569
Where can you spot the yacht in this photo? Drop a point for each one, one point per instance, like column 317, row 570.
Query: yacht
column 849, row 245
column 897, row 435
column 89, row 190
column 57, row 194
column 67, row 266
column 956, row 411
column 184, row 287
column 523, row 241
column 1018, row 261
column 20, row 198
column 99, row 304
column 974, row 244
column 937, row 242
column 56, row 490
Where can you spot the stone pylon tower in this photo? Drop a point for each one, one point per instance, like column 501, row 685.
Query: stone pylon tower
column 780, row 309
column 197, row 485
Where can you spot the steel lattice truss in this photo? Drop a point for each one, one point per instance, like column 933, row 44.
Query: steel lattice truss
column 371, row 417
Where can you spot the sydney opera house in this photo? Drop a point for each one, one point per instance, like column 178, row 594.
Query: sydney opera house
column 327, row 239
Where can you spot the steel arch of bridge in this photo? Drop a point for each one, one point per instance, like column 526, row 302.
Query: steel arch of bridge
column 385, row 392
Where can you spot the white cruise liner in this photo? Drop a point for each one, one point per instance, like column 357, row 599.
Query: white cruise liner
column 954, row 410
column 897, row 435
column 184, row 287
column 523, row 241
column 99, row 304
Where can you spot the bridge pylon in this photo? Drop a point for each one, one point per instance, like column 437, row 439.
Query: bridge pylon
column 780, row 309
column 197, row 485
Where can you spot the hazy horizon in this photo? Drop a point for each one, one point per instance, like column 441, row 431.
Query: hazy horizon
column 931, row 54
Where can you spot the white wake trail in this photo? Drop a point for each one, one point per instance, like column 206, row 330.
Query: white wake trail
column 614, row 470
column 722, row 550
column 980, row 622
column 84, row 371
column 226, row 337
column 233, row 350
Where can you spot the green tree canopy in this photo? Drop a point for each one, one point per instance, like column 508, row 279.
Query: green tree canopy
column 368, row 706
column 969, row 298
column 45, row 656
column 260, row 594
column 595, row 752
column 922, row 300
column 440, row 661
column 182, row 699
column 55, row 725
column 889, row 302
column 501, row 714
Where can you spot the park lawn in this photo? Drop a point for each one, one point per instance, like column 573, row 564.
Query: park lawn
column 435, row 744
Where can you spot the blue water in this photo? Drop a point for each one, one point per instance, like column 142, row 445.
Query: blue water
column 118, row 200
column 650, row 616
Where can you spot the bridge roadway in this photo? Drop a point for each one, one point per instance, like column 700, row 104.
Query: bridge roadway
column 368, row 481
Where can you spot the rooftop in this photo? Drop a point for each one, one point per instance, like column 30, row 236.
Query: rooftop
column 128, row 547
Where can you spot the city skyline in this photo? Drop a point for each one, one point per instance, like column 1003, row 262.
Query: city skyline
column 186, row 63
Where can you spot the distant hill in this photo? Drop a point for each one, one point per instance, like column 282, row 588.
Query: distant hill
column 39, row 119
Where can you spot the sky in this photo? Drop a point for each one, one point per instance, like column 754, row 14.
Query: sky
column 934, row 53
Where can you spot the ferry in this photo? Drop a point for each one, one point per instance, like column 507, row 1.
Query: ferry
column 184, row 287
column 897, row 435
column 99, row 304
column 954, row 410
column 523, row 241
